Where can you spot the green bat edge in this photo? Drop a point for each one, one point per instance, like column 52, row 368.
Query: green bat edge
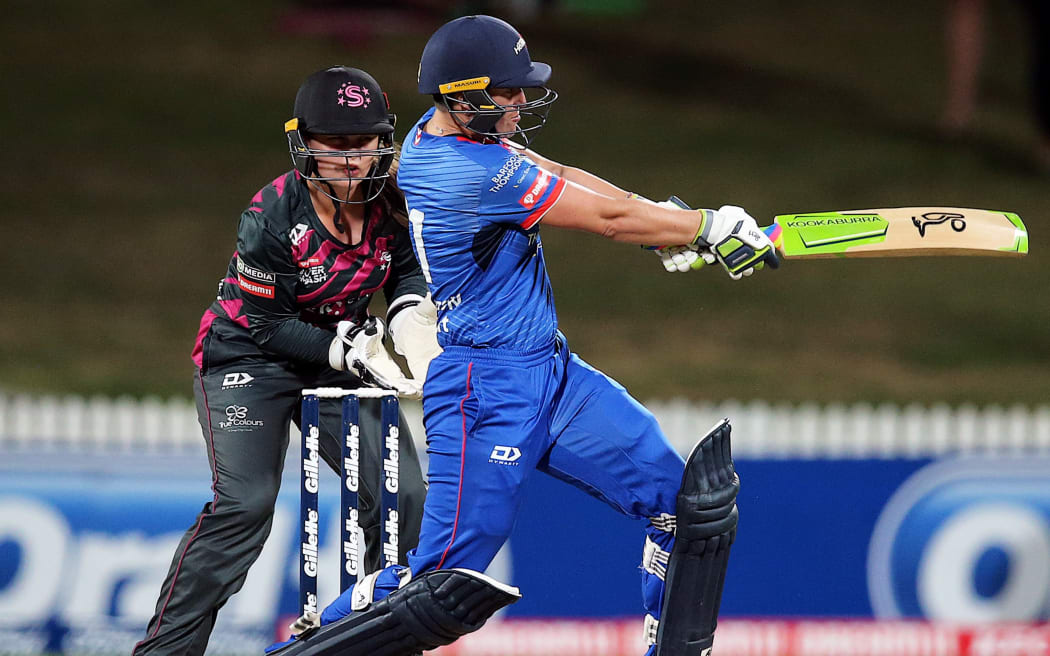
column 1020, row 238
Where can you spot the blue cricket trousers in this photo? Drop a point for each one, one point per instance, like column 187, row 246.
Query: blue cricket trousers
column 492, row 417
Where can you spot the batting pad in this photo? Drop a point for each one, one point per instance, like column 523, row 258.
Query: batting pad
column 432, row 610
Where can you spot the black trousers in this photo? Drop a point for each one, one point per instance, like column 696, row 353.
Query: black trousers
column 244, row 408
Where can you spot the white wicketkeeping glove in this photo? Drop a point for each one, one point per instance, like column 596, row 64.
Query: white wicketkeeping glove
column 414, row 332
column 360, row 349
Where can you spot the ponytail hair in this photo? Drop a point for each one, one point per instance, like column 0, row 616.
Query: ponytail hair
column 392, row 198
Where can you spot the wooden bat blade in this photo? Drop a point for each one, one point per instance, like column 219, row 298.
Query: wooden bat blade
column 899, row 232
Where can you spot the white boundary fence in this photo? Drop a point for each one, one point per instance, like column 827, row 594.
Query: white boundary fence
column 99, row 424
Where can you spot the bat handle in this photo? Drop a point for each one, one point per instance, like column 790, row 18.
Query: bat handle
column 775, row 234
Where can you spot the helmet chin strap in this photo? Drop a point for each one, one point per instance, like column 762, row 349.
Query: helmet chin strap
column 337, row 217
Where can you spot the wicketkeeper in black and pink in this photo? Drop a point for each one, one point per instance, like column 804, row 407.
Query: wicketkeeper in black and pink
column 313, row 248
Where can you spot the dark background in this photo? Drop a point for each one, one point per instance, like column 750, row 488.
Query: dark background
column 137, row 133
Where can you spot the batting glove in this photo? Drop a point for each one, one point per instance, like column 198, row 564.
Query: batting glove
column 675, row 258
column 733, row 238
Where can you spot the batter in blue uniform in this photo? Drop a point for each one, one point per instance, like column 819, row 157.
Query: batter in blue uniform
column 507, row 397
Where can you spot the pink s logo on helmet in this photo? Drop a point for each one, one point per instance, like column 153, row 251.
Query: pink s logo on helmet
column 352, row 95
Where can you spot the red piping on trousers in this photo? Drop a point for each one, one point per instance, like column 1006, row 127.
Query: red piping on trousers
column 462, row 461
column 215, row 500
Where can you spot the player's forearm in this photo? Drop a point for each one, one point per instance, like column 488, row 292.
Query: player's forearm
column 592, row 182
column 572, row 174
column 630, row 220
column 292, row 339
column 638, row 221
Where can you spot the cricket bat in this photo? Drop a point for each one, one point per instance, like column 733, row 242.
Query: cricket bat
column 899, row 232
column 896, row 232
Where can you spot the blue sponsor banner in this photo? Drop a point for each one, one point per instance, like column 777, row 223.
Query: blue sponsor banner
column 83, row 551
column 801, row 545
column 965, row 540
column 85, row 545
column 961, row 539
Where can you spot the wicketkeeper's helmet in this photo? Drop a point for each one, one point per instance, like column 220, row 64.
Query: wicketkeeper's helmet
column 341, row 101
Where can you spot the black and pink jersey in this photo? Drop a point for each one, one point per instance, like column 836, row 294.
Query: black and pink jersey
column 290, row 281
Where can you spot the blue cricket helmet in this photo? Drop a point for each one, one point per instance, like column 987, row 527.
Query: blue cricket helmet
column 474, row 47
column 468, row 56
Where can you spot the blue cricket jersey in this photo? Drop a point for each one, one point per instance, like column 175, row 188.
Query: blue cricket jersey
column 475, row 210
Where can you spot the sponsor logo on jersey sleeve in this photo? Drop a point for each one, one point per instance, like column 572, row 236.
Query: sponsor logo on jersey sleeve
column 541, row 209
column 266, row 291
column 258, row 275
column 535, row 192
column 505, row 172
